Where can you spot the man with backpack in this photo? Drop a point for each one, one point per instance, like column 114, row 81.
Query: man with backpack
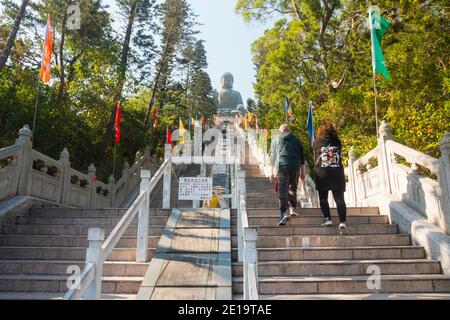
column 288, row 158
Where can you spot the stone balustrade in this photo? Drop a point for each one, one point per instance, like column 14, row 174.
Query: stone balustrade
column 397, row 171
column 25, row 171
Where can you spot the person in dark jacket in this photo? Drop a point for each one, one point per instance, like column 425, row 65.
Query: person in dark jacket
column 289, row 157
column 329, row 172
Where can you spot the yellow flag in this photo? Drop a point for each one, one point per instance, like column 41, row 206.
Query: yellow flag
column 250, row 117
column 181, row 132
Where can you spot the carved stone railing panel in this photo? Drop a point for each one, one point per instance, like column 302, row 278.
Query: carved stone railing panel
column 9, row 170
column 415, row 178
column 25, row 171
column 45, row 182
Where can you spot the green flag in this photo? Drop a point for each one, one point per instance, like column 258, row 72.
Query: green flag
column 379, row 26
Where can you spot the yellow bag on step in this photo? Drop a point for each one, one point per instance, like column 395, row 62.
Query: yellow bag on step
column 214, row 202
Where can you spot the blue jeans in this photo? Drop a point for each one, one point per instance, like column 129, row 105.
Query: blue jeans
column 287, row 190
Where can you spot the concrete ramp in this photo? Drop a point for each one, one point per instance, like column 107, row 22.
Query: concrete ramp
column 193, row 258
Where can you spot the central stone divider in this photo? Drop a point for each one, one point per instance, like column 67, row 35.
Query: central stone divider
column 193, row 258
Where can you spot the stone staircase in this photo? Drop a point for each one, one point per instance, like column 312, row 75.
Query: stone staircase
column 305, row 261
column 37, row 248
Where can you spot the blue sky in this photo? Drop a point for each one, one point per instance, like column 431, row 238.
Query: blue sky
column 227, row 40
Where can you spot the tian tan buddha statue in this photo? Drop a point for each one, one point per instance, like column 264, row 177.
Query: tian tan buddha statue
column 227, row 99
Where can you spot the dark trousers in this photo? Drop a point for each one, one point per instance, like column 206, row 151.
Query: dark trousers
column 340, row 203
column 287, row 189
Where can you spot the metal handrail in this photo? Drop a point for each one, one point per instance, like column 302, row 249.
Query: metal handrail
column 86, row 278
column 93, row 269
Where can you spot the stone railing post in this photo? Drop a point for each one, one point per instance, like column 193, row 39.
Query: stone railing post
column 444, row 179
column 352, row 157
column 64, row 159
column 112, row 196
column 241, row 190
column 92, row 189
column 26, row 164
column 143, row 219
column 385, row 134
column 94, row 255
column 167, row 177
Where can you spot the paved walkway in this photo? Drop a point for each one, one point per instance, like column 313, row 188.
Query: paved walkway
column 193, row 258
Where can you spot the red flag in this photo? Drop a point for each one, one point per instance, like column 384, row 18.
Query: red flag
column 155, row 116
column 169, row 137
column 47, row 53
column 117, row 124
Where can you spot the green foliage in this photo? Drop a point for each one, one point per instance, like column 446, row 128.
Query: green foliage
column 93, row 58
column 321, row 52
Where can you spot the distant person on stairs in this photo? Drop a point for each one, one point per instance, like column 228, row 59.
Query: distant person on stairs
column 329, row 172
column 288, row 158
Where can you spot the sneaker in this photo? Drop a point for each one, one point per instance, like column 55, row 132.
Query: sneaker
column 283, row 219
column 342, row 226
column 292, row 212
column 327, row 223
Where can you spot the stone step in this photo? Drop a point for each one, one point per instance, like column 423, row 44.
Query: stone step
column 55, row 267
column 330, row 241
column 288, row 230
column 64, row 253
column 354, row 296
column 336, row 253
column 71, row 230
column 351, row 211
column 349, row 284
column 46, row 283
column 66, row 241
column 82, row 221
column 312, row 220
column 76, row 212
column 57, row 296
column 341, row 267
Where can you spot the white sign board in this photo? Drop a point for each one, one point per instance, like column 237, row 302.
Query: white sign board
column 195, row 188
column 220, row 169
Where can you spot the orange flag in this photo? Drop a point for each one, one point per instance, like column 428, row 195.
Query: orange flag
column 47, row 53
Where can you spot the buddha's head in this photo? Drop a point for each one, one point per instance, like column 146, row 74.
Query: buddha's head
column 227, row 81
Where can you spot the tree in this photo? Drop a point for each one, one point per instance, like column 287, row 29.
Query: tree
column 12, row 35
column 133, row 10
column 321, row 52
column 177, row 20
column 199, row 88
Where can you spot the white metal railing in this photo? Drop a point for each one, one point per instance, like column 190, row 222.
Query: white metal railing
column 250, row 255
column 260, row 154
column 385, row 176
column 89, row 285
column 247, row 252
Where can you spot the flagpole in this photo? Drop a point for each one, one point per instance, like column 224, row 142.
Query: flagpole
column 375, row 99
column 373, row 70
column 114, row 160
column 38, row 93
